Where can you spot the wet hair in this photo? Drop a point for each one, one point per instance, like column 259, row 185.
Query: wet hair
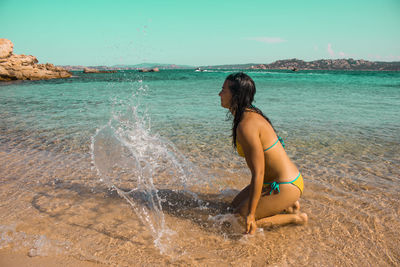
column 243, row 89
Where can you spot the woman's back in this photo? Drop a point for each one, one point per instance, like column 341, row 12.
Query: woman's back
column 278, row 166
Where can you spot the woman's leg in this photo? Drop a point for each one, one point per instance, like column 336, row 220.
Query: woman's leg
column 240, row 197
column 270, row 206
column 282, row 219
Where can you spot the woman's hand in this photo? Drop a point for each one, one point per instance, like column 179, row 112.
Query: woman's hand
column 251, row 225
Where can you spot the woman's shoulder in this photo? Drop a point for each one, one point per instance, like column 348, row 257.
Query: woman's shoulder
column 256, row 123
column 253, row 119
column 251, row 122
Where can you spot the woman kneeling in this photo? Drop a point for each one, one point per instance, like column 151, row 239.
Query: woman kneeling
column 276, row 183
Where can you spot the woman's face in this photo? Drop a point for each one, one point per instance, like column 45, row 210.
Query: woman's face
column 225, row 95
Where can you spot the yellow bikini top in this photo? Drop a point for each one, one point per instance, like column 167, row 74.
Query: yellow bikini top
column 239, row 149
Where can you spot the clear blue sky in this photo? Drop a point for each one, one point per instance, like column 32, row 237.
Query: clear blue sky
column 207, row 32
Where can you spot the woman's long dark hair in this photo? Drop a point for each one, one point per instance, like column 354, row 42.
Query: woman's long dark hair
column 243, row 89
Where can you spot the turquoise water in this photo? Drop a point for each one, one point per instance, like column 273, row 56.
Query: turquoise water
column 347, row 106
column 351, row 111
column 167, row 130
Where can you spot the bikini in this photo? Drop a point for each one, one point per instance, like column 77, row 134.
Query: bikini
column 298, row 181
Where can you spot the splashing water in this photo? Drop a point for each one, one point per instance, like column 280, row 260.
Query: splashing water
column 143, row 167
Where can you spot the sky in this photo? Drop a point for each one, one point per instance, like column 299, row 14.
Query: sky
column 196, row 33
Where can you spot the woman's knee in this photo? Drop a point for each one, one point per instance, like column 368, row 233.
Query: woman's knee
column 243, row 208
column 242, row 196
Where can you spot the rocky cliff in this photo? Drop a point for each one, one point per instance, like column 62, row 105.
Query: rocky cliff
column 22, row 67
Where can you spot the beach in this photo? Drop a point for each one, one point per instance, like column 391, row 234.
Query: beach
column 133, row 169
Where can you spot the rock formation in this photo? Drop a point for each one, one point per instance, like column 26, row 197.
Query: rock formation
column 90, row 70
column 259, row 67
column 6, row 48
column 22, row 67
column 149, row 70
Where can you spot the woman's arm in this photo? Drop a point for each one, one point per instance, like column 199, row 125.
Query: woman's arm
column 248, row 135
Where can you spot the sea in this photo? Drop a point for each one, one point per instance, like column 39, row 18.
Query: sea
column 138, row 169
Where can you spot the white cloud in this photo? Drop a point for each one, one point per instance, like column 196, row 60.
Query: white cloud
column 268, row 40
column 341, row 54
column 330, row 50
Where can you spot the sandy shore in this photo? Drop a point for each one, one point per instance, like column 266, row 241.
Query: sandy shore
column 9, row 258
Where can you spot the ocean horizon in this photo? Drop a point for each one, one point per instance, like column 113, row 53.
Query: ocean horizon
column 338, row 64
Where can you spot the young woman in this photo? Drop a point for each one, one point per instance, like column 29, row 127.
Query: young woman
column 276, row 183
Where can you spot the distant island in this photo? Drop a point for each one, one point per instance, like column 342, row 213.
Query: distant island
column 321, row 64
column 330, row 64
column 143, row 66
column 288, row 64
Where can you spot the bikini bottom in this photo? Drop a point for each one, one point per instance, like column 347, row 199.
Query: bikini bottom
column 298, row 182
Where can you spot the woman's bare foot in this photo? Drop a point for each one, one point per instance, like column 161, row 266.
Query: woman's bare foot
column 301, row 218
column 295, row 208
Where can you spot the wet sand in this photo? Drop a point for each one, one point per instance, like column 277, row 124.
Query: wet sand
column 55, row 209
column 12, row 259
